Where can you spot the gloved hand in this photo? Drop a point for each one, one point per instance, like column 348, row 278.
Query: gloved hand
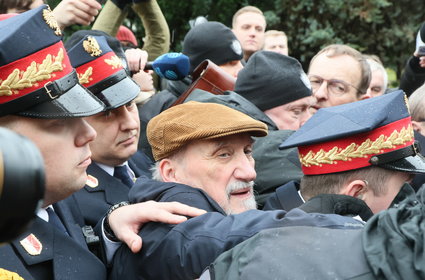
column 337, row 204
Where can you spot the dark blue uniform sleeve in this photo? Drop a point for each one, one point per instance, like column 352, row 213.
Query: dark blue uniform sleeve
column 185, row 250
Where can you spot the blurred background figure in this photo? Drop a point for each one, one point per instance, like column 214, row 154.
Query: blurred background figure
column 249, row 25
column 66, row 13
column 379, row 82
column 126, row 37
column 276, row 41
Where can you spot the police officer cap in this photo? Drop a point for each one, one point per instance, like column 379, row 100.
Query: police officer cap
column 36, row 77
column 101, row 71
column 372, row 132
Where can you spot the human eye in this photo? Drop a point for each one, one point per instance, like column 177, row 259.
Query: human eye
column 106, row 114
column 131, row 105
column 337, row 87
column 248, row 151
column 315, row 82
column 224, row 155
column 57, row 122
column 297, row 111
column 376, row 89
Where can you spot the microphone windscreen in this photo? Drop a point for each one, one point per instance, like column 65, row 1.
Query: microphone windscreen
column 172, row 66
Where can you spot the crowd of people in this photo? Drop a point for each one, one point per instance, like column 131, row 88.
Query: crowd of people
column 285, row 174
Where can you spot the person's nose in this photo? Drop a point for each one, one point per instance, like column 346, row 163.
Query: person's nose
column 86, row 133
column 128, row 120
column 322, row 92
column 245, row 170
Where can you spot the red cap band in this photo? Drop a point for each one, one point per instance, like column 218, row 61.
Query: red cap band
column 31, row 73
column 90, row 73
column 355, row 152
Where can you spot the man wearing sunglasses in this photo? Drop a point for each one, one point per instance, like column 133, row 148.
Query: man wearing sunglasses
column 338, row 74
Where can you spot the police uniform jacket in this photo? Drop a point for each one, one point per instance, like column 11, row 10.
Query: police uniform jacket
column 99, row 195
column 50, row 253
column 286, row 197
column 183, row 251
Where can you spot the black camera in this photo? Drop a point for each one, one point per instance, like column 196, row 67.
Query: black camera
column 21, row 183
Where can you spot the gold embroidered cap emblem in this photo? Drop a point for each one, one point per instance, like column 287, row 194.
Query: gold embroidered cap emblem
column 91, row 46
column 49, row 18
column 32, row 245
column 34, row 73
column 368, row 147
column 114, row 61
column 9, row 275
column 406, row 101
column 84, row 78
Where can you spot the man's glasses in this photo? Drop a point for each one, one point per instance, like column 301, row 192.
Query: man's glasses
column 335, row 87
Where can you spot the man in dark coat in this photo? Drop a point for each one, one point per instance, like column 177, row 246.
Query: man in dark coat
column 116, row 161
column 204, row 159
column 48, row 110
column 42, row 100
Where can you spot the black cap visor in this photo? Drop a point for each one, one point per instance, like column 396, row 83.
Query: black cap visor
column 74, row 103
column 116, row 91
column 412, row 164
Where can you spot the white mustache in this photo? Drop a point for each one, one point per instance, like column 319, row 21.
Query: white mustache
column 238, row 185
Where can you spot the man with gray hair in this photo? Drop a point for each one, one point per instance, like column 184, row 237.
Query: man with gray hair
column 204, row 158
column 379, row 77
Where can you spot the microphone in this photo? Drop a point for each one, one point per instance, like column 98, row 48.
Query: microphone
column 171, row 66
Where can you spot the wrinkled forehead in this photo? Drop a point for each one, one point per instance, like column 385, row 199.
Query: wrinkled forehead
column 340, row 66
column 240, row 139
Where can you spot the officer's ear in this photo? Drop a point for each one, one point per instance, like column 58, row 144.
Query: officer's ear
column 417, row 127
column 356, row 188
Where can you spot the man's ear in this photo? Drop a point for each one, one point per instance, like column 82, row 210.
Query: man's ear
column 167, row 170
column 355, row 188
column 417, row 126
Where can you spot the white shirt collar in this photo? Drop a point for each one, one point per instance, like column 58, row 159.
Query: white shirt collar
column 42, row 213
column 110, row 169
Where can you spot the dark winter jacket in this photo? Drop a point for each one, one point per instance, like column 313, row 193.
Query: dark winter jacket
column 183, row 251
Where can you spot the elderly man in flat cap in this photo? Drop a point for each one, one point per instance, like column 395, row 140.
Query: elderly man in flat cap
column 203, row 154
column 281, row 99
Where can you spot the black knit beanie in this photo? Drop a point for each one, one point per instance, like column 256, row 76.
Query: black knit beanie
column 211, row 40
column 271, row 79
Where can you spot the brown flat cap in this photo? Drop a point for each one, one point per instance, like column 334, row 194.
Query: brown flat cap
column 177, row 126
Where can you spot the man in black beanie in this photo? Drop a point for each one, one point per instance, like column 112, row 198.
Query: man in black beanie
column 209, row 40
column 216, row 42
column 278, row 86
